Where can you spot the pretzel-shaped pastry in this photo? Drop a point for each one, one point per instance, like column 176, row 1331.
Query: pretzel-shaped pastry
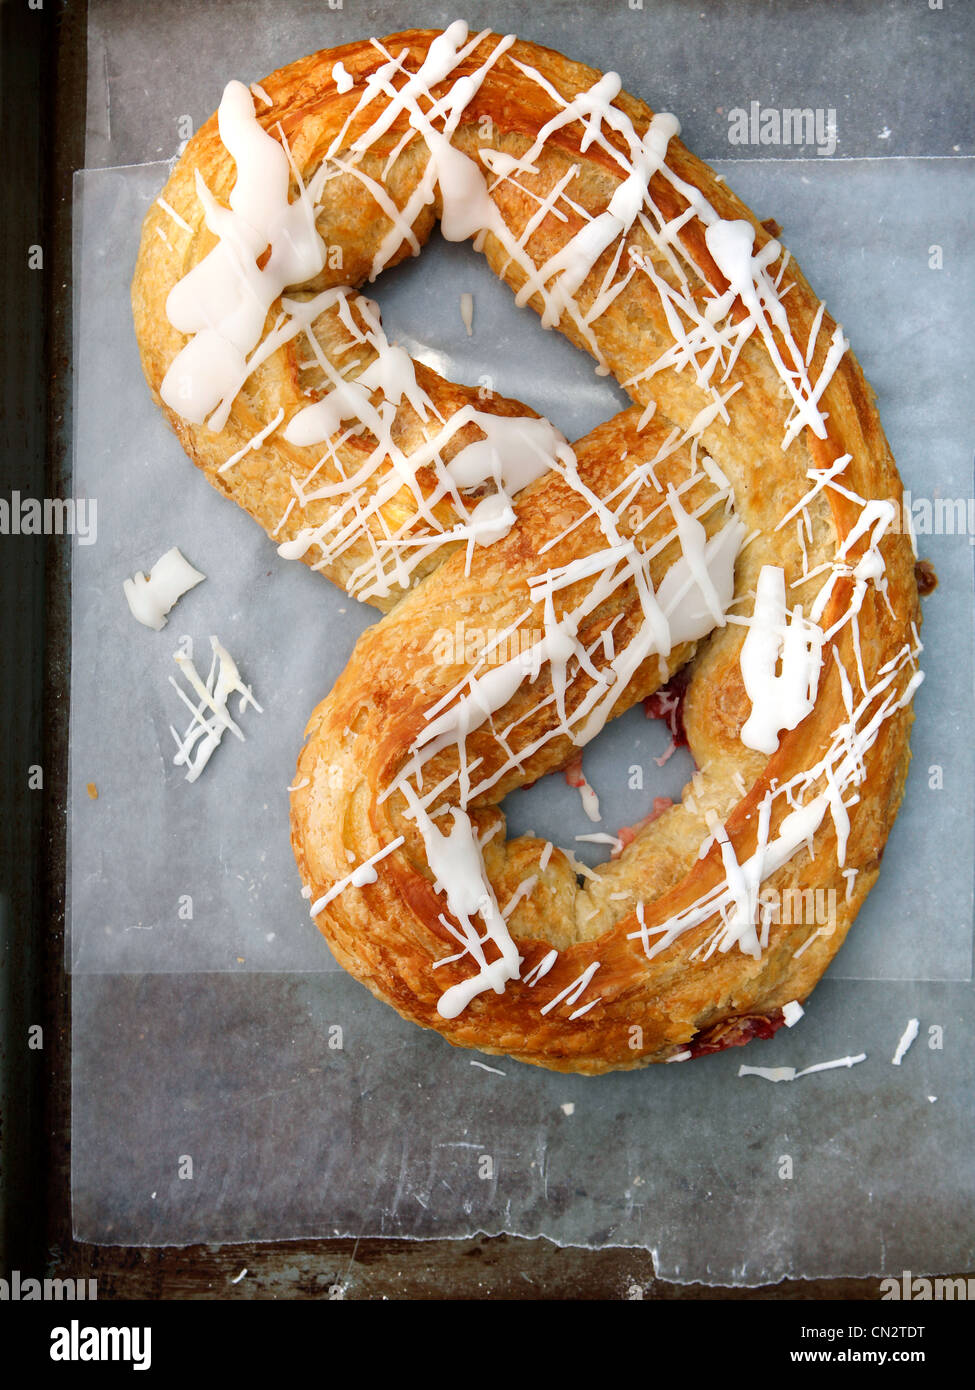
column 736, row 525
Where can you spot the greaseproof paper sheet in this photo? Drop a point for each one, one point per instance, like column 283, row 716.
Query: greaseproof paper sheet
column 209, row 1021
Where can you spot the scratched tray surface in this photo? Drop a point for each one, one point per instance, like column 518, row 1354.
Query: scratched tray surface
column 225, row 1086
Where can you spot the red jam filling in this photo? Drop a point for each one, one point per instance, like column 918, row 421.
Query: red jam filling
column 735, row 1032
column 667, row 704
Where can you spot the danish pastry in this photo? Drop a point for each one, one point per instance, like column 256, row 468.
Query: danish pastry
column 730, row 543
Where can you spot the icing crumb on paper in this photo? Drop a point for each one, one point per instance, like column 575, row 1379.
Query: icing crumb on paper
column 790, row 1073
column 150, row 600
column 211, row 716
column 904, row 1046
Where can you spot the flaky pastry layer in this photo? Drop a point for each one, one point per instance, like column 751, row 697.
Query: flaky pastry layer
column 398, row 933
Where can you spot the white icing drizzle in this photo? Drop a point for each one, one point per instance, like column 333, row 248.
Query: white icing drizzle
column 365, row 873
column 573, row 263
column 524, row 890
column 150, row 600
column 223, row 304
column 779, row 701
column 832, row 1066
column 769, row 1073
column 792, row 1012
column 458, row 868
column 224, row 300
column 790, row 1073
column 342, row 79
column 207, row 729
column 171, row 211
column 573, row 991
column 732, row 246
column 584, row 1009
column 575, row 777
column 253, row 443
column 489, row 834
column 907, row 1038
column 680, row 611
column 692, row 597
column 514, row 452
column 842, row 768
column 601, row 838
column 467, row 313
column 539, row 971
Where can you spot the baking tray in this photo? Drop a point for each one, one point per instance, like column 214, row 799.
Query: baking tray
column 243, row 1007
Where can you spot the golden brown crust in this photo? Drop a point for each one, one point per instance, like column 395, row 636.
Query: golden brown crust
column 390, row 933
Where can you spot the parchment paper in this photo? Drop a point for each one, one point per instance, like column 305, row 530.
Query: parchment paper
column 306, row 1107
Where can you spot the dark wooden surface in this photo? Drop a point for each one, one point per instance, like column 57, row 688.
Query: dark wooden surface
column 500, row 1267
column 36, row 1134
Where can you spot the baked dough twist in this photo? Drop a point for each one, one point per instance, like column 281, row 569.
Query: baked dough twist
column 737, row 525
